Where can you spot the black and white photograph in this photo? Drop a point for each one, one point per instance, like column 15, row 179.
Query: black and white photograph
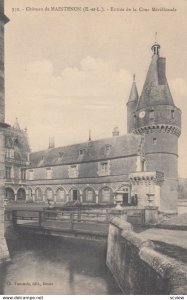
column 93, row 148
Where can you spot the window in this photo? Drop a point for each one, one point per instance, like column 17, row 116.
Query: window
column 104, row 168
column 134, row 118
column 82, row 152
column 31, row 174
column 89, row 195
column 38, row 194
column 105, row 195
column 154, row 141
column 8, row 172
column 9, row 153
column 107, row 149
column 23, row 174
column 172, row 114
column 73, row 171
column 60, row 195
column 151, row 114
column 49, row 194
column 49, row 173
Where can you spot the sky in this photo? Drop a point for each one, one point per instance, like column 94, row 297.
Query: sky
column 70, row 71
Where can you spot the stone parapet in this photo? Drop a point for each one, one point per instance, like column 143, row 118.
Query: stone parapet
column 138, row 177
column 138, row 268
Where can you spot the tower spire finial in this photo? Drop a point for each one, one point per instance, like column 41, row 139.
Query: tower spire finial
column 155, row 37
column 156, row 47
column 134, row 77
column 89, row 135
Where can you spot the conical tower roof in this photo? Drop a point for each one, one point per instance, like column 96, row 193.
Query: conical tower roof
column 134, row 92
column 155, row 90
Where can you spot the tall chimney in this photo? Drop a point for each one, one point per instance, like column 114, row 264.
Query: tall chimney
column 51, row 142
column 115, row 131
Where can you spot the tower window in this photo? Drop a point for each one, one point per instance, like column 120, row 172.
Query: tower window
column 154, row 141
column 151, row 115
column 134, row 118
column 8, row 172
column 172, row 114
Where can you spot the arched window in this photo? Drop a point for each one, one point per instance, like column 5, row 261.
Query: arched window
column 89, row 195
column 38, row 194
column 49, row 194
column 60, row 195
column 74, row 194
column 105, row 195
column 9, row 194
column 21, row 195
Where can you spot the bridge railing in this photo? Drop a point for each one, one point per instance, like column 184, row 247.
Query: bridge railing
column 64, row 219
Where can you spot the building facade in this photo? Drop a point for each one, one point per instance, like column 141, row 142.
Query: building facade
column 141, row 166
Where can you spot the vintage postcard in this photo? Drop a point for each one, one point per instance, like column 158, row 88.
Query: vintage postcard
column 93, row 147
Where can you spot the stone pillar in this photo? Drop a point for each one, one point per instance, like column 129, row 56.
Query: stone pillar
column 43, row 196
column 151, row 215
column 96, row 197
column 81, row 197
column 4, row 255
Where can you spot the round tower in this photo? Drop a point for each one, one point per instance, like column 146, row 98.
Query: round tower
column 159, row 120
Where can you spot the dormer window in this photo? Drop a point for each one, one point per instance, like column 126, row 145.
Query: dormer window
column 172, row 114
column 107, row 149
column 61, row 154
column 82, row 152
column 151, row 114
column 49, row 173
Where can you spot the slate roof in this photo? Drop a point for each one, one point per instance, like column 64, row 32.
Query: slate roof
column 120, row 146
column 17, row 139
column 155, row 90
column 133, row 93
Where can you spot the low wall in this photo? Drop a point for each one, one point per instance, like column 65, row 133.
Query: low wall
column 138, row 268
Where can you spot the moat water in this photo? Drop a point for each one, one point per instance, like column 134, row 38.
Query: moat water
column 49, row 265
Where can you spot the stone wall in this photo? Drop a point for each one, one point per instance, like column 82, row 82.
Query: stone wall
column 138, row 268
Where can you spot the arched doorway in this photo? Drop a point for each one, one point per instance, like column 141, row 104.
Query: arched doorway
column 106, row 196
column 9, row 194
column 124, row 190
column 60, row 195
column 74, row 194
column 89, row 195
column 21, row 195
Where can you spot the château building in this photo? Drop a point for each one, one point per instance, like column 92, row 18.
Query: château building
column 142, row 165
